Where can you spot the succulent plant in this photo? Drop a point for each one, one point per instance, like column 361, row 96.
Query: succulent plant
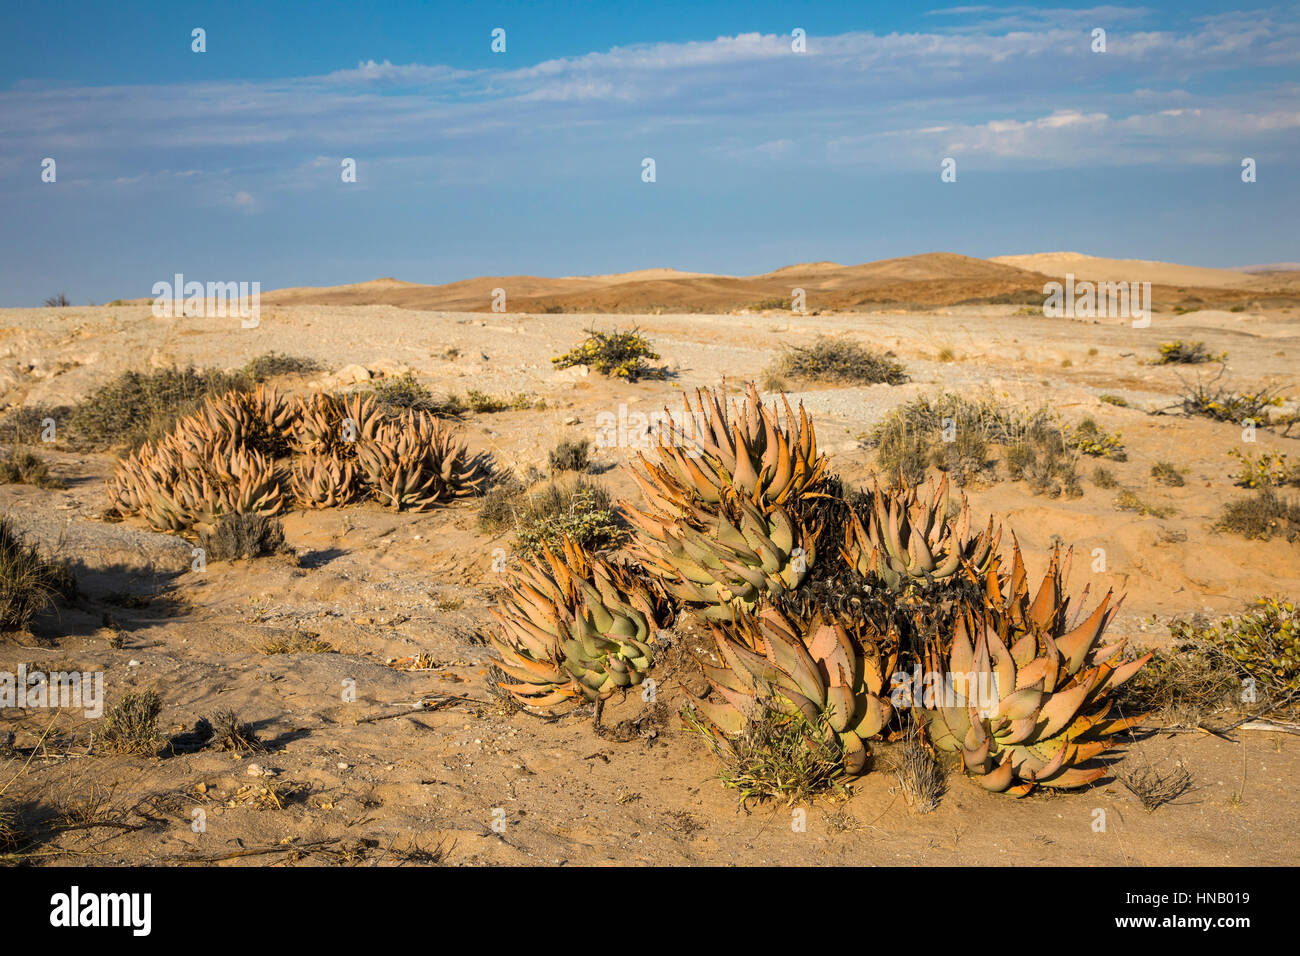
column 820, row 668
column 334, row 424
column 1029, row 697
column 174, row 485
column 261, row 420
column 714, row 457
column 908, row 540
column 320, row 481
column 416, row 462
column 716, row 563
column 574, row 628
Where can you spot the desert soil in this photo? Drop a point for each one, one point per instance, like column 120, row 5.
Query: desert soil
column 379, row 586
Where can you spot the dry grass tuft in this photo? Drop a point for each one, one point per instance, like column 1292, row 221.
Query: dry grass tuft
column 131, row 726
column 778, row 757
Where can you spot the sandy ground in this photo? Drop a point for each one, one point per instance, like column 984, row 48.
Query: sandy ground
column 379, row 586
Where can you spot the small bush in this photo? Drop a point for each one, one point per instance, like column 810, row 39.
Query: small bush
column 275, row 364
column 1128, row 501
column 1186, row 353
column 142, row 406
column 571, row 456
column 232, row 736
column 499, row 506
column 28, row 582
column 1166, row 474
column 298, row 642
column 1209, row 399
column 1104, row 478
column 617, row 354
column 481, row 402
column 26, row 468
column 582, row 510
column 920, row 778
column 1091, row 439
column 1118, row 400
column 779, row 757
column 403, row 392
column 1042, row 459
column 1269, row 470
column 1154, row 788
column 910, row 438
column 1261, row 516
column 841, row 361
column 59, row 301
column 1209, row 664
column 947, row 355
column 243, row 536
column 131, row 727
column 26, row 424
column 772, row 303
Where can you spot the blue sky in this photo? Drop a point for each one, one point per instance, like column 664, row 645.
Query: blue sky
column 225, row 165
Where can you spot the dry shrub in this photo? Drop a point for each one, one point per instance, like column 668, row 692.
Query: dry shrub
column 841, row 361
column 243, row 536
column 131, row 726
column 1262, row 515
column 28, row 582
column 571, row 456
column 26, row 468
column 920, row 777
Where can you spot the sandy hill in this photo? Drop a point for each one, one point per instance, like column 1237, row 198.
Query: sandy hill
column 1124, row 270
column 933, row 278
column 927, row 280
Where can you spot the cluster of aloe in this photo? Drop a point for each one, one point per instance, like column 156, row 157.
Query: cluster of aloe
column 735, row 508
column 261, row 452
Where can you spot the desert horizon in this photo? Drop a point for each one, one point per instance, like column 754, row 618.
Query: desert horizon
column 726, row 436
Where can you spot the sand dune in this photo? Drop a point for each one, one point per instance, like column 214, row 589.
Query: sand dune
column 1124, row 270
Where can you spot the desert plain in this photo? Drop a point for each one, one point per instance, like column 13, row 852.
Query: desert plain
column 385, row 590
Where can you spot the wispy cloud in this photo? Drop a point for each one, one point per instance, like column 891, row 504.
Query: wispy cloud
column 1002, row 87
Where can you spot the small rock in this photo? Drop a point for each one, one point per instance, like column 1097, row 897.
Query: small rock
column 386, row 368
column 342, row 766
column 133, row 664
column 352, row 373
column 572, row 420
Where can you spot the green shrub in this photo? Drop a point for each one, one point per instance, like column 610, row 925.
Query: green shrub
column 791, row 759
column 1091, row 439
column 842, row 361
column 1213, row 401
column 583, row 510
column 1042, row 460
column 910, row 439
column 617, row 354
column 1269, row 470
column 1262, row 643
column 275, row 364
column 1118, row 400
